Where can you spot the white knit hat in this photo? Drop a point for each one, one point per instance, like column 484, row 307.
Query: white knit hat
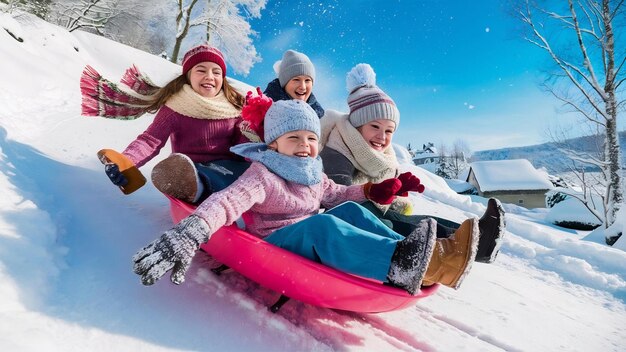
column 367, row 102
column 294, row 64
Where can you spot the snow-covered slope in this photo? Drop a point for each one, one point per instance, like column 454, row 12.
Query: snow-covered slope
column 67, row 235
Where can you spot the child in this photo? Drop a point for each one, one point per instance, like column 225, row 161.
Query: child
column 199, row 112
column 357, row 149
column 296, row 76
column 283, row 190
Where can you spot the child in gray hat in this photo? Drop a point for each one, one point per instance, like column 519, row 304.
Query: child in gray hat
column 296, row 76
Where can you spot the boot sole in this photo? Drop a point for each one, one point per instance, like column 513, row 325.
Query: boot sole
column 177, row 177
column 487, row 254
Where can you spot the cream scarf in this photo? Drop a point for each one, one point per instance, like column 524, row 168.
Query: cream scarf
column 372, row 165
column 189, row 103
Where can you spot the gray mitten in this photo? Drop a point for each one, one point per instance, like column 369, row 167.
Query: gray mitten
column 174, row 249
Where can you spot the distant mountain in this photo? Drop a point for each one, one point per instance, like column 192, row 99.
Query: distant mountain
column 548, row 155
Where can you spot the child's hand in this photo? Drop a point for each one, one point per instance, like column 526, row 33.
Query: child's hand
column 254, row 110
column 115, row 175
column 384, row 192
column 410, row 183
column 173, row 250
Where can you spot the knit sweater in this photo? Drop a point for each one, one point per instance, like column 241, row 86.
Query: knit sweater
column 201, row 128
column 271, row 201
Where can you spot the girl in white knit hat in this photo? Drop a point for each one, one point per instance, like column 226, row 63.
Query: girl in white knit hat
column 357, row 149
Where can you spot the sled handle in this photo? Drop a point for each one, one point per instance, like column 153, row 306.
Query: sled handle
column 135, row 178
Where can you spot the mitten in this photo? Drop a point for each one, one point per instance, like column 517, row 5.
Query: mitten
column 384, row 192
column 115, row 175
column 410, row 183
column 173, row 250
column 254, row 110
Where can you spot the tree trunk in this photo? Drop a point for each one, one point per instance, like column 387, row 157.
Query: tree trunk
column 615, row 195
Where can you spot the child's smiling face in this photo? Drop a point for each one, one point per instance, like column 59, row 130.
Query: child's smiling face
column 206, row 79
column 378, row 133
column 299, row 143
column 299, row 87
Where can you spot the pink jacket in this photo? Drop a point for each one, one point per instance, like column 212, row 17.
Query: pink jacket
column 272, row 202
column 200, row 139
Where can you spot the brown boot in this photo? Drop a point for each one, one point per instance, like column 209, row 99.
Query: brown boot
column 453, row 257
column 177, row 176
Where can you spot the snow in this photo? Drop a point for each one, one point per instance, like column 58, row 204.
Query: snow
column 506, row 175
column 570, row 210
column 67, row 236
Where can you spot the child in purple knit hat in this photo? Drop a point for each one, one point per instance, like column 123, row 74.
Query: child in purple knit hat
column 198, row 111
column 283, row 190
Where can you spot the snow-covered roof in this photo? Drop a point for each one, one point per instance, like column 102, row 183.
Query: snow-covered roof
column 423, row 154
column 509, row 175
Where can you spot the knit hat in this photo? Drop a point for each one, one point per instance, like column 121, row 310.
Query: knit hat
column 367, row 102
column 202, row 53
column 288, row 116
column 293, row 64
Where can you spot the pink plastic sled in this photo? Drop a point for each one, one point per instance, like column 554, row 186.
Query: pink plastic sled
column 297, row 277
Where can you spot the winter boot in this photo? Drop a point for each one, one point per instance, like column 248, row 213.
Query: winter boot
column 453, row 257
column 177, row 177
column 491, row 226
column 411, row 256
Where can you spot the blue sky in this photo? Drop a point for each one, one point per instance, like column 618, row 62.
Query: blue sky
column 456, row 70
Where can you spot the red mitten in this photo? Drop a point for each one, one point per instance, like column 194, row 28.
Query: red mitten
column 410, row 183
column 254, row 110
column 384, row 192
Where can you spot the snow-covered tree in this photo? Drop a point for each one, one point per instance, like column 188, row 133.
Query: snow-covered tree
column 38, row 8
column 91, row 15
column 457, row 160
column 585, row 41
column 410, row 149
column 226, row 25
column 443, row 165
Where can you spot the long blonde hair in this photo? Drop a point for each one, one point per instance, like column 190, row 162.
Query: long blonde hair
column 174, row 86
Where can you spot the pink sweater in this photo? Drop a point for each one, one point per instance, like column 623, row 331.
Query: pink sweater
column 272, row 202
column 200, row 139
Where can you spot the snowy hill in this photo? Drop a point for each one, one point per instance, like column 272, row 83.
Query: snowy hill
column 67, row 235
column 547, row 155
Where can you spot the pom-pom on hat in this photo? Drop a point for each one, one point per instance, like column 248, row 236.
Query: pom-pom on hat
column 293, row 64
column 202, row 53
column 288, row 116
column 367, row 102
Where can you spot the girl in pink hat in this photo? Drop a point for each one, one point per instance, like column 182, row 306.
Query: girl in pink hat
column 198, row 111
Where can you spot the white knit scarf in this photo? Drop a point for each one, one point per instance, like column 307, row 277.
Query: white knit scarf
column 189, row 103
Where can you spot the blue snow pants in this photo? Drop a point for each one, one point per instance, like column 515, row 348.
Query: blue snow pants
column 347, row 237
column 219, row 174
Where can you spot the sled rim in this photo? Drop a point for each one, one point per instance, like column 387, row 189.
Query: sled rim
column 257, row 259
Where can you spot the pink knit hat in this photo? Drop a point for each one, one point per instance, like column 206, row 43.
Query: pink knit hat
column 203, row 53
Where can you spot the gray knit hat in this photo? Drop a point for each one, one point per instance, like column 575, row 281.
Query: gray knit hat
column 294, row 64
column 367, row 102
column 287, row 116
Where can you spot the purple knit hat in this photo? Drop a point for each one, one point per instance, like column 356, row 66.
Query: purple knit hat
column 367, row 102
column 202, row 53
